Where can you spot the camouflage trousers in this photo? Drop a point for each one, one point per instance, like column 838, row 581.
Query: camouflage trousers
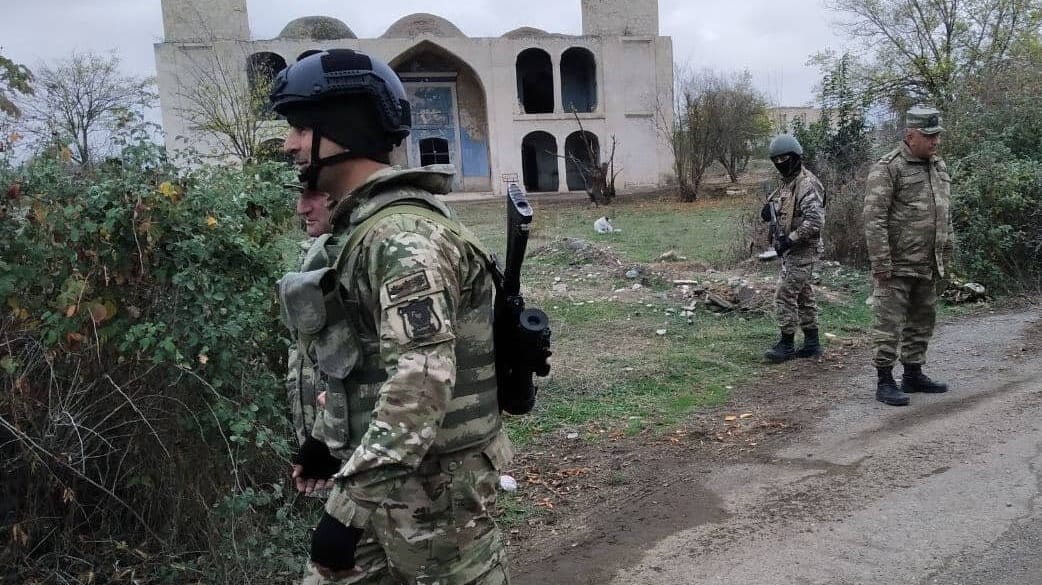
column 905, row 313
column 794, row 302
column 436, row 529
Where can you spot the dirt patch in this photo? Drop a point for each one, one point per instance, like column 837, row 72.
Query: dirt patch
column 603, row 496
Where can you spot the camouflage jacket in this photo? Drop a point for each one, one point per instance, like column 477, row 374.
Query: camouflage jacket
column 801, row 211
column 406, row 353
column 908, row 223
column 303, row 384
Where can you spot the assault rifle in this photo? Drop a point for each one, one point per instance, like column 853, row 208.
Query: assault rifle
column 521, row 335
column 773, row 231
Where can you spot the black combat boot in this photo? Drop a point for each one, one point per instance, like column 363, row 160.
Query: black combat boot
column 914, row 380
column 887, row 391
column 782, row 351
column 811, row 345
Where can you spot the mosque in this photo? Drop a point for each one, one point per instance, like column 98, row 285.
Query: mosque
column 498, row 108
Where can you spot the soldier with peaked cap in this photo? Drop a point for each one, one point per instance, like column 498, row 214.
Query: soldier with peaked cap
column 908, row 230
column 392, row 317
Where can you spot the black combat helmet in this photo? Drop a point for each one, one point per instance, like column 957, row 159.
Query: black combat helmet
column 348, row 97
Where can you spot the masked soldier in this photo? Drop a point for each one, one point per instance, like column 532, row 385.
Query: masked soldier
column 393, row 308
column 799, row 211
column 908, row 230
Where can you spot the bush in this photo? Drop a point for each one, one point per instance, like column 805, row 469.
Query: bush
column 997, row 217
column 142, row 421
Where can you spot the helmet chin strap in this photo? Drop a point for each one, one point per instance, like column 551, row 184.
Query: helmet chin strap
column 309, row 174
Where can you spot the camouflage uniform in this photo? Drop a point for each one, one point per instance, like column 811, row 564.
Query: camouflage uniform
column 303, row 384
column 402, row 339
column 801, row 211
column 908, row 230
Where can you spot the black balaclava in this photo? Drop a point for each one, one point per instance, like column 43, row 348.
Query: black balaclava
column 351, row 122
column 791, row 167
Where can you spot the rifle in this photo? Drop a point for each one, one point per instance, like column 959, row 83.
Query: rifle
column 521, row 335
column 772, row 233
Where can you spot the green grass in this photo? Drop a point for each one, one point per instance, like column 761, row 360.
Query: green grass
column 698, row 231
column 611, row 370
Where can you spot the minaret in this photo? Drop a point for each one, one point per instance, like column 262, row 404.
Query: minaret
column 205, row 20
column 620, row 18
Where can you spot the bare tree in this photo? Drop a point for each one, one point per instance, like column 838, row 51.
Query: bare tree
column 83, row 100
column 693, row 134
column 598, row 177
column 224, row 97
column 924, row 47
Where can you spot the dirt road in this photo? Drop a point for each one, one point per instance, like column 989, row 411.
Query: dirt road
column 943, row 491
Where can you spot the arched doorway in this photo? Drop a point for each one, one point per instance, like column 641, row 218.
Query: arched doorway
column 450, row 115
column 535, row 82
column 582, row 152
column 261, row 69
column 578, row 80
column 539, row 162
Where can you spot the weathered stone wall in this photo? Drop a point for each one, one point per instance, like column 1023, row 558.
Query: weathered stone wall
column 620, row 17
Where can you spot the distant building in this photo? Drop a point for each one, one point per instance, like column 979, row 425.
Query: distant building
column 494, row 107
column 782, row 117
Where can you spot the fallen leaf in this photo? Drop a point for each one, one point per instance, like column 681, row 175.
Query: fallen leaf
column 203, row 358
column 211, row 221
column 746, row 415
column 167, row 189
column 731, row 418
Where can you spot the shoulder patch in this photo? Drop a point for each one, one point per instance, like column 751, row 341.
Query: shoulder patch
column 408, row 285
column 419, row 319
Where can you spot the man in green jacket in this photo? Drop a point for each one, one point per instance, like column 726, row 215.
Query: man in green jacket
column 908, row 229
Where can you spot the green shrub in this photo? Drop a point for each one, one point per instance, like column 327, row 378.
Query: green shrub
column 997, row 216
column 142, row 420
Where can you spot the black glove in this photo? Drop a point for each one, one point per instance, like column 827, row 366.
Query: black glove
column 782, row 244
column 316, row 460
column 333, row 544
column 765, row 212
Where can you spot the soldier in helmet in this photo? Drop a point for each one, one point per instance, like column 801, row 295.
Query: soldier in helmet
column 908, row 229
column 799, row 205
column 392, row 309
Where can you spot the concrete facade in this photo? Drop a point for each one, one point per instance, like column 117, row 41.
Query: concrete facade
column 783, row 117
column 496, row 107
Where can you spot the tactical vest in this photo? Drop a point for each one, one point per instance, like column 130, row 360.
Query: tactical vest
column 345, row 348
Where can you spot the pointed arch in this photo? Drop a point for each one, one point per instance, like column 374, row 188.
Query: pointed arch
column 449, row 103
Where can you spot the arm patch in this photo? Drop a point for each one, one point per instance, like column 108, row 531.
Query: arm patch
column 419, row 318
column 408, row 285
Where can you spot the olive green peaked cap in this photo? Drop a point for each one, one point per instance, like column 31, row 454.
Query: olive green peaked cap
column 924, row 119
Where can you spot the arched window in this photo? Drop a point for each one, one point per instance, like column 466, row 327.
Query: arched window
column 434, row 151
column 308, row 53
column 261, row 69
column 582, row 154
column 578, row 80
column 535, row 82
column 539, row 162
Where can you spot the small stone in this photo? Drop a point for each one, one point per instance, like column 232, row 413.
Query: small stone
column 660, row 332
column 632, row 273
column 573, row 436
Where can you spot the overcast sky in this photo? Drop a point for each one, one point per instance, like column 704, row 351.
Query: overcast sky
column 770, row 38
